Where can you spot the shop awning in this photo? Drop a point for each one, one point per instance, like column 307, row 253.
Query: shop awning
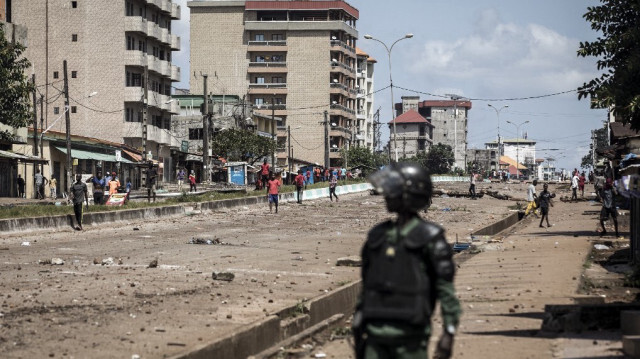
column 89, row 155
column 133, row 155
column 21, row 157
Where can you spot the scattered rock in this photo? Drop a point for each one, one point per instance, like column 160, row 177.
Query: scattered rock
column 136, row 228
column 351, row 261
column 25, row 244
column 96, row 261
column 57, row 261
column 153, row 264
column 107, row 261
column 224, row 276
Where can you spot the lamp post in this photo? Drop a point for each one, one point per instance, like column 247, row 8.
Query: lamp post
column 393, row 112
column 498, row 115
column 518, row 145
column 289, row 153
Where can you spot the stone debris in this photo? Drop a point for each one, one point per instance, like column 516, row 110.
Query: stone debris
column 107, row 261
column 153, row 264
column 224, row 276
column 351, row 261
column 26, row 244
column 601, row 247
column 52, row 261
column 205, row 241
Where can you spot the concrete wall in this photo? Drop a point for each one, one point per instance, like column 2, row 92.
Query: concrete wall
column 451, row 129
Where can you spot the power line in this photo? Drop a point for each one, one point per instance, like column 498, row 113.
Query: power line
column 493, row 99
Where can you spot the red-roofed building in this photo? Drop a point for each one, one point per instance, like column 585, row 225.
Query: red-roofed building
column 449, row 120
column 414, row 133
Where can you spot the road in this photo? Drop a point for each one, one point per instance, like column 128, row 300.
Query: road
column 86, row 309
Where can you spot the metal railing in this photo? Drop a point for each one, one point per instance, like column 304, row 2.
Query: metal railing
column 343, row 45
column 268, row 43
column 343, row 65
column 268, row 64
column 268, row 85
column 343, row 108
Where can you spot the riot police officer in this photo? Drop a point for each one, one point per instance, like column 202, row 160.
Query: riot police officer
column 406, row 267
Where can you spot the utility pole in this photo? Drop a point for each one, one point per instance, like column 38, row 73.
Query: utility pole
column 326, row 139
column 145, row 111
column 67, row 125
column 35, row 117
column 41, row 129
column 205, row 132
column 273, row 132
column 376, row 130
column 289, row 151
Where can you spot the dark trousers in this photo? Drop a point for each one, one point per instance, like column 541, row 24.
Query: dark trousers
column 77, row 210
column 192, row 187
column 98, row 197
column 299, row 191
column 472, row 190
column 20, row 191
column 574, row 194
column 332, row 193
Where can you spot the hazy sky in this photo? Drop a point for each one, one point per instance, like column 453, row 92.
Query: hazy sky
column 488, row 49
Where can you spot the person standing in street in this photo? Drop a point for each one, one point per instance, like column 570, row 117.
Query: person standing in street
column 545, row 201
column 20, row 182
column 264, row 172
column 78, row 195
column 407, row 266
column 40, row 182
column 113, row 184
column 581, row 182
column 343, row 173
column 332, row 188
column 574, row 185
column 192, row 182
column 472, row 185
column 273, row 185
column 98, row 187
column 152, row 175
column 52, row 188
column 608, row 207
column 180, row 176
column 531, row 199
column 299, row 183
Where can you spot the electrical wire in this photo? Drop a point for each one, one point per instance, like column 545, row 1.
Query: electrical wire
column 492, row 99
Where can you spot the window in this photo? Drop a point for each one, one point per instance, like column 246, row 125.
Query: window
column 278, row 101
column 136, row 80
column 74, row 74
column 259, row 37
column 161, row 55
column 259, row 58
column 128, row 115
column 259, row 80
column 74, row 4
column 56, row 110
column 421, row 145
column 74, row 109
column 258, row 101
column 277, row 80
column 56, row 75
column 74, row 37
column 195, row 133
column 277, row 37
column 131, row 43
column 129, row 8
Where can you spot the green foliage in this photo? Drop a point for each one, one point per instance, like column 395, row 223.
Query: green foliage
column 438, row 160
column 618, row 52
column 241, row 145
column 15, row 107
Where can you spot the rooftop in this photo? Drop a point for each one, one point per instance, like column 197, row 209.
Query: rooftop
column 410, row 116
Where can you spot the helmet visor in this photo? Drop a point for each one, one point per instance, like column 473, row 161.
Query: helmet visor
column 387, row 182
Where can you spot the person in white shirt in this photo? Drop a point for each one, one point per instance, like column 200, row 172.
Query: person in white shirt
column 531, row 198
column 574, row 186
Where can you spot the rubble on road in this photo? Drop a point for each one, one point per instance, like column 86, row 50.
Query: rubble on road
column 153, row 264
column 52, row 261
column 224, row 276
column 351, row 261
column 205, row 241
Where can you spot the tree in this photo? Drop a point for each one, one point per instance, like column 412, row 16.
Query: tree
column 357, row 156
column 241, row 145
column 15, row 108
column 438, row 160
column 618, row 53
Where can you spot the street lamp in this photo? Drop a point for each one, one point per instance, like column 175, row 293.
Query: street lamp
column 289, row 150
column 518, row 145
column 498, row 115
column 393, row 112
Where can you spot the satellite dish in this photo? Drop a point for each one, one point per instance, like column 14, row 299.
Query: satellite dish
column 334, row 60
column 333, row 37
column 334, row 146
column 333, row 124
column 335, row 102
column 335, row 81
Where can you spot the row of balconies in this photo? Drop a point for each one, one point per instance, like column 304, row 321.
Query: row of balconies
column 154, row 133
column 162, row 67
column 153, row 30
column 342, row 46
column 167, row 7
column 154, row 99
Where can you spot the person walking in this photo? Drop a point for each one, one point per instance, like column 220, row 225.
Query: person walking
column 299, row 183
column 98, row 188
column 608, row 207
column 332, row 188
column 472, row 185
column 343, row 173
column 407, row 266
column 264, row 172
column 40, row 182
column 152, row 175
column 574, row 186
column 581, row 182
column 545, row 201
column 273, row 185
column 21, row 183
column 52, row 188
column 79, row 194
column 531, row 198
column 180, row 176
column 192, row 182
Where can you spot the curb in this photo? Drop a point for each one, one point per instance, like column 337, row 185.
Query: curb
column 261, row 335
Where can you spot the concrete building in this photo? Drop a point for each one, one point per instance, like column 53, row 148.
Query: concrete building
column 291, row 59
column 449, row 119
column 522, row 150
column 364, row 135
column 108, row 46
column 483, row 161
column 414, row 134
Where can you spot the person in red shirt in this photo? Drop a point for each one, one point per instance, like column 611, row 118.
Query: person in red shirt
column 299, row 182
column 264, row 172
column 581, row 182
column 272, row 187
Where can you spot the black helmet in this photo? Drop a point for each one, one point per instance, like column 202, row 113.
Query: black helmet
column 405, row 186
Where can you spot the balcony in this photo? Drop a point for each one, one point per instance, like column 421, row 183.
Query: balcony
column 157, row 3
column 267, row 67
column 267, row 46
column 278, row 110
column 339, row 89
column 135, row 24
column 165, row 5
column 339, row 110
column 154, row 134
column 334, row 25
column 175, row 11
column 362, row 115
column 337, row 131
column 165, row 37
column 165, row 68
column 175, row 42
column 342, row 46
column 340, row 67
column 133, row 94
column 175, row 73
column 134, row 58
column 268, row 88
column 153, row 30
column 361, row 93
column 154, row 64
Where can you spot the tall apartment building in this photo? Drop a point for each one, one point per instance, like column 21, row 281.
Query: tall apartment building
column 290, row 59
column 449, row 119
column 107, row 45
column 364, row 86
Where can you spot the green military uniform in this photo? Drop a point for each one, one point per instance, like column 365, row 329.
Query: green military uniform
column 404, row 332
